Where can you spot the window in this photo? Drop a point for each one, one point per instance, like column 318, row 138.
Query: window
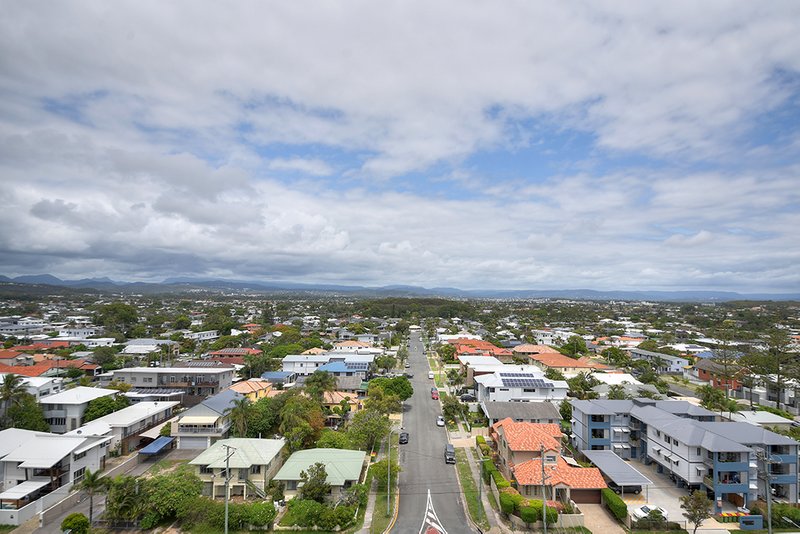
column 205, row 470
column 133, row 380
column 77, row 476
column 658, row 433
column 699, row 452
column 147, row 380
column 79, row 455
column 529, row 390
column 172, row 379
column 550, row 459
column 255, row 469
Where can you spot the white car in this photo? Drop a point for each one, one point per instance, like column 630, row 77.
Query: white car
column 440, row 421
column 643, row 511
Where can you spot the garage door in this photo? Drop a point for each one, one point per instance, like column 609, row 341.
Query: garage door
column 587, row 496
column 192, row 443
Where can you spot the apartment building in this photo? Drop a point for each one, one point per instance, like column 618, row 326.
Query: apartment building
column 64, row 411
column 196, row 383
column 689, row 445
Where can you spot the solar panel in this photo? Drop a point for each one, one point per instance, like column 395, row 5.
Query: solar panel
column 525, row 382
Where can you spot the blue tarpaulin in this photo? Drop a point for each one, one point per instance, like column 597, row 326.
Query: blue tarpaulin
column 158, row 445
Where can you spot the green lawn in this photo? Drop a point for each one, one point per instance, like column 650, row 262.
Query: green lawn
column 7, row 528
column 470, row 490
column 163, row 465
column 380, row 517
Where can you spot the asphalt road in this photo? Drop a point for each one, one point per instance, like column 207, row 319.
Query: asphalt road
column 422, row 459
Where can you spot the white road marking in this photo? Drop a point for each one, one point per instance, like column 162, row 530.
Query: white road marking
column 431, row 523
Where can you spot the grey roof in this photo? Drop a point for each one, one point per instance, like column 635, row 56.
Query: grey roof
column 617, row 469
column 707, row 364
column 658, row 354
column 687, row 431
column 603, row 406
column 630, row 389
column 521, row 410
column 748, row 433
column 246, row 452
column 683, row 408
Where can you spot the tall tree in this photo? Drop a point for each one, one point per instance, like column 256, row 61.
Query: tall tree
column 12, row 391
column 27, row 414
column 367, row 428
column 617, row 392
column 315, row 483
column 92, row 484
column 320, row 383
column 780, row 364
column 725, row 357
column 239, row 414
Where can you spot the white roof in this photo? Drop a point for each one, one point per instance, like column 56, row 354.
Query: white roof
column 78, row 395
column 10, row 438
column 760, row 418
column 140, row 349
column 35, row 381
column 132, row 414
column 474, row 361
column 616, row 378
column 23, row 490
column 177, row 370
column 44, row 450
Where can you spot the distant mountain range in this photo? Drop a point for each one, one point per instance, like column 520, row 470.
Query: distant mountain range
column 187, row 284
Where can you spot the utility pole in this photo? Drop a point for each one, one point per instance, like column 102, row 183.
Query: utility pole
column 389, row 473
column 767, row 461
column 228, row 453
column 544, row 493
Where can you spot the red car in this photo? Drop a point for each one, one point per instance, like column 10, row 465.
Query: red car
column 434, row 394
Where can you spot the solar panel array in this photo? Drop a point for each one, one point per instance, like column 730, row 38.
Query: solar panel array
column 357, row 366
column 523, row 380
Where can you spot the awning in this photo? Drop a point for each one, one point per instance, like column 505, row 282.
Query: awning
column 155, row 432
column 158, row 445
column 617, row 469
column 656, row 449
column 617, row 446
column 198, row 420
column 91, row 445
column 21, row 491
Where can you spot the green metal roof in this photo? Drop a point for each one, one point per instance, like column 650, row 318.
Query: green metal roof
column 249, row 452
column 340, row 464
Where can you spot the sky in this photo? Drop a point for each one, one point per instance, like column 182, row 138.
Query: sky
column 479, row 145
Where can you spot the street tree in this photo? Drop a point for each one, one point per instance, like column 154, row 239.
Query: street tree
column 92, row 484
column 385, row 362
column 367, row 428
column 696, row 508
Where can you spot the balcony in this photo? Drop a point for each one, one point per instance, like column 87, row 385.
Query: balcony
column 785, row 458
column 201, row 431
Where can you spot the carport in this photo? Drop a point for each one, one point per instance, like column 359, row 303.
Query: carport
column 618, row 470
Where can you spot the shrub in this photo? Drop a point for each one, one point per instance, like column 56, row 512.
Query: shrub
column 529, row 514
column 480, row 440
column 507, row 503
column 77, row 523
column 499, row 480
column 615, row 504
column 552, row 513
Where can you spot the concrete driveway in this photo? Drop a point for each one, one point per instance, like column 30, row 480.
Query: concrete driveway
column 661, row 493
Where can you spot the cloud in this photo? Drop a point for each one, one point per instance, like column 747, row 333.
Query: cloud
column 314, row 167
column 402, row 143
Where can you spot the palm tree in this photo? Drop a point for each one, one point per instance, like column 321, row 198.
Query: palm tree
column 238, row 414
column 319, row 383
column 12, row 391
column 92, row 484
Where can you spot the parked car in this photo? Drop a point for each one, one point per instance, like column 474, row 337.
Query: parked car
column 468, row 397
column 408, row 374
column 643, row 511
column 430, row 375
column 449, row 454
column 624, row 489
column 403, row 438
column 434, row 394
column 440, row 421
column 407, row 365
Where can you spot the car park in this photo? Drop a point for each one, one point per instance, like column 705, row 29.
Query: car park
column 403, row 438
column 449, row 454
column 643, row 512
column 636, row 490
column 440, row 421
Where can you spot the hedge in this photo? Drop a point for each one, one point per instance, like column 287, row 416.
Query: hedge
column 552, row 513
column 615, row 504
column 529, row 514
column 499, row 480
column 507, row 503
column 480, row 440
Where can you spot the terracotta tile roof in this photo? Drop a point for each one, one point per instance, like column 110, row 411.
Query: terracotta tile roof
column 352, row 343
column 527, row 348
column 335, row 397
column 560, row 361
column 315, row 350
column 41, row 345
column 477, row 347
column 7, row 354
column 530, row 474
column 529, row 436
column 230, row 360
column 236, row 351
column 26, row 370
column 251, row 386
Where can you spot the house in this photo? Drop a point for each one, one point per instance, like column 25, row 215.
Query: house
column 351, row 346
column 347, row 368
column 282, row 379
column 38, row 469
column 717, row 375
column 519, row 387
column 689, row 444
column 333, row 401
column 206, row 335
column 563, row 482
column 527, row 349
column 254, row 389
column 522, row 412
column 40, row 386
column 762, row 419
column 548, row 336
column 478, row 347
column 64, row 411
column 196, row 383
column 342, row 466
column 562, row 363
column 518, row 442
column 126, row 425
column 202, row 425
column 252, row 462
column 236, row 351
column 662, row 363
column 306, row 364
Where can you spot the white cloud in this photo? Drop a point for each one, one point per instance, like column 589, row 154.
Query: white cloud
column 314, row 167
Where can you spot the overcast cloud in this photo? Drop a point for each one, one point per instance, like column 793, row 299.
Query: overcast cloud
column 620, row 145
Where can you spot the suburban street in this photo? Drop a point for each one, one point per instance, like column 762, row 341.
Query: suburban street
column 422, row 459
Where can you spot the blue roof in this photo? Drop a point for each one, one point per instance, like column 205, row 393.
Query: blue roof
column 334, row 367
column 158, row 445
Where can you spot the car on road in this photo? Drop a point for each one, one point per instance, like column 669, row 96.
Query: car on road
column 643, row 511
column 403, row 438
column 430, row 375
column 449, row 454
column 468, row 397
column 440, row 421
column 434, row 394
column 408, row 374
